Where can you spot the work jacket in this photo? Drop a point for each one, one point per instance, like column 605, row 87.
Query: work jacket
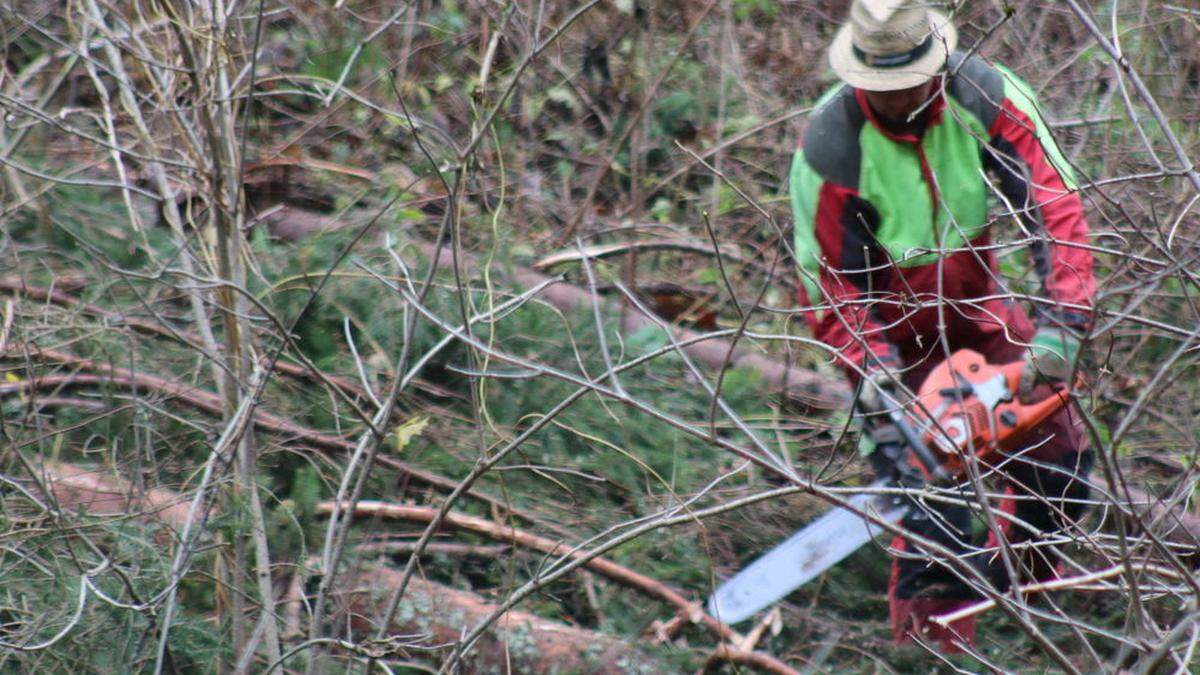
column 892, row 231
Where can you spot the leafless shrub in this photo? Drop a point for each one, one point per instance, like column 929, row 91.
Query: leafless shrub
column 157, row 156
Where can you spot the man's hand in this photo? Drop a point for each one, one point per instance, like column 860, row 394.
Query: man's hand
column 1050, row 359
column 879, row 392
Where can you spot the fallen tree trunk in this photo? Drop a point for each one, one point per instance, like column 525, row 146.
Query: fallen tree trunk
column 618, row 573
column 797, row 383
column 99, row 493
column 58, row 297
column 1171, row 522
column 102, row 374
column 601, row 251
column 519, row 642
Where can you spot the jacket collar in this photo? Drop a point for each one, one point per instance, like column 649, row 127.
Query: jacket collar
column 934, row 115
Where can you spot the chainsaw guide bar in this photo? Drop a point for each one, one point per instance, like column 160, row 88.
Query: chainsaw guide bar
column 804, row 555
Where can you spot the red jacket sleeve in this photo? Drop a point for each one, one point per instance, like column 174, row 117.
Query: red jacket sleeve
column 1053, row 212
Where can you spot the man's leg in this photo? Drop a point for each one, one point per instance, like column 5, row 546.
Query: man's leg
column 920, row 587
column 1047, row 491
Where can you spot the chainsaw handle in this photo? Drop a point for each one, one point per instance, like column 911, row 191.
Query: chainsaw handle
column 918, row 447
column 1012, row 375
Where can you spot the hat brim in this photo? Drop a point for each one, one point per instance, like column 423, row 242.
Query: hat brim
column 858, row 74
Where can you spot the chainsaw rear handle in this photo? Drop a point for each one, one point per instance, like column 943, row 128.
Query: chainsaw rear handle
column 1029, row 415
column 1021, row 418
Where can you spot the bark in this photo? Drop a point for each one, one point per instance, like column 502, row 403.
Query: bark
column 600, row 251
column 100, row 493
column 387, row 547
column 519, row 642
column 1171, row 522
column 57, row 296
column 618, row 573
column 739, row 657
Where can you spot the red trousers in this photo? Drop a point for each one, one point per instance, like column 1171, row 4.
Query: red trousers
column 1044, row 487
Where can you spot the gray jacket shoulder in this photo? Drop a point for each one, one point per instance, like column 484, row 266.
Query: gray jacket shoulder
column 830, row 142
column 976, row 85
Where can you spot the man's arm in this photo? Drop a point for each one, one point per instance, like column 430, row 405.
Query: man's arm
column 1037, row 182
column 839, row 265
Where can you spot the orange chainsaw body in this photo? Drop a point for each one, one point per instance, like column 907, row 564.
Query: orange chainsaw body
column 967, row 406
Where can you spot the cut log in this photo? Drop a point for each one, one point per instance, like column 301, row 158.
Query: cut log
column 618, row 573
column 599, row 251
column 435, row 613
column 99, row 493
column 811, row 388
column 518, row 642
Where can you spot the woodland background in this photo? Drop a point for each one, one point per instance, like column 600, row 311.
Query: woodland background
column 329, row 331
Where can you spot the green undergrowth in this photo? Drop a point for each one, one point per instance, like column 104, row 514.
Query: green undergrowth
column 596, row 464
column 75, row 599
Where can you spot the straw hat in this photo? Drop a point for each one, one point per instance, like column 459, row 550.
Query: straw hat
column 891, row 44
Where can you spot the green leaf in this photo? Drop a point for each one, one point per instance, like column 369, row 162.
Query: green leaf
column 408, row 431
column 443, row 82
column 410, row 215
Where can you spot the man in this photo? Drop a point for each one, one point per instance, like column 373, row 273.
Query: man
column 890, row 189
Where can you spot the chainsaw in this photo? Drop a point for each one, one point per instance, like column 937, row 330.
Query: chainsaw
column 966, row 407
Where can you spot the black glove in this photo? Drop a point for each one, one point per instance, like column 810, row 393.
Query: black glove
column 949, row 525
column 946, row 523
